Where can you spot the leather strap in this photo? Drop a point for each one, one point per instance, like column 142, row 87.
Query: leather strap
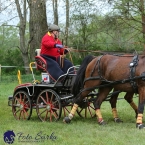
column 133, row 65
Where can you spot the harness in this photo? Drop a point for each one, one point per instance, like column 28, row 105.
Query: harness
column 133, row 65
column 131, row 78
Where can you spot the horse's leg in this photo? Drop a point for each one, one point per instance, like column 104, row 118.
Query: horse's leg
column 79, row 98
column 103, row 92
column 139, row 123
column 77, row 101
column 129, row 98
column 113, row 102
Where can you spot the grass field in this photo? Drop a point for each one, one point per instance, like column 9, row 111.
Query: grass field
column 79, row 132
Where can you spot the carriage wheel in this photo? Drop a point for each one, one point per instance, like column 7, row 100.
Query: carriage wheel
column 88, row 109
column 66, row 109
column 21, row 106
column 48, row 106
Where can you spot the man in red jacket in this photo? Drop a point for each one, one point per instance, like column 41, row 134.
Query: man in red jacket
column 51, row 51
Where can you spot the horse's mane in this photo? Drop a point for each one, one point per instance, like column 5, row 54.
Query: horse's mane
column 78, row 82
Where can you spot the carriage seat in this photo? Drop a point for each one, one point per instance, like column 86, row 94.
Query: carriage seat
column 40, row 62
column 41, row 65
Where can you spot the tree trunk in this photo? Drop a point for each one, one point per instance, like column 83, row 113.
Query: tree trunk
column 67, row 22
column 143, row 21
column 37, row 24
column 22, row 28
column 55, row 12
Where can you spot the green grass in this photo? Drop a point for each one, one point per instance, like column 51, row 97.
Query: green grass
column 79, row 132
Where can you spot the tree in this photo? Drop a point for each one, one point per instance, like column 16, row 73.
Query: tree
column 22, row 28
column 142, row 11
column 37, row 24
column 84, row 23
column 132, row 13
column 10, row 54
column 55, row 11
column 67, row 22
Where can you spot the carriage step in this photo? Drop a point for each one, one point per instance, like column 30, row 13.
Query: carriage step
column 63, row 97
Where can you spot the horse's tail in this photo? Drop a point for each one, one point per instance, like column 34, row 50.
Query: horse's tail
column 78, row 82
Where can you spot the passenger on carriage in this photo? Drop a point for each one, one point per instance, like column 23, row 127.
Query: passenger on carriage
column 51, row 51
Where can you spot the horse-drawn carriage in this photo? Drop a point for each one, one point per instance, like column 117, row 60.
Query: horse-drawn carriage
column 123, row 73
column 50, row 99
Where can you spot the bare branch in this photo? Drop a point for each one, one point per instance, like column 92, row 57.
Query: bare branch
column 10, row 25
column 19, row 10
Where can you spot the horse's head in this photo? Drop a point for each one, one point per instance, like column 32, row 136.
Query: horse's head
column 9, row 136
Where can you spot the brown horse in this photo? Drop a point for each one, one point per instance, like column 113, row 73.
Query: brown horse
column 113, row 101
column 125, row 73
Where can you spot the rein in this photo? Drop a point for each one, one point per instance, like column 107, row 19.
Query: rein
column 63, row 56
column 113, row 83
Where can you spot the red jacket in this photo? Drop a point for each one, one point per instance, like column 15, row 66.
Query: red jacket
column 47, row 46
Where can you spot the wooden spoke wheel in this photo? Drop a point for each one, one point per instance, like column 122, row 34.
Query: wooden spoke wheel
column 66, row 109
column 48, row 106
column 87, row 109
column 21, row 106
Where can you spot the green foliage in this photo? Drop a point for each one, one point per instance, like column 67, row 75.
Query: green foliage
column 106, row 33
column 10, row 54
column 9, row 37
column 11, row 58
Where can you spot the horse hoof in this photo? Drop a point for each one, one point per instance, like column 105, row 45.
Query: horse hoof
column 102, row 122
column 118, row 120
column 140, row 126
column 66, row 120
